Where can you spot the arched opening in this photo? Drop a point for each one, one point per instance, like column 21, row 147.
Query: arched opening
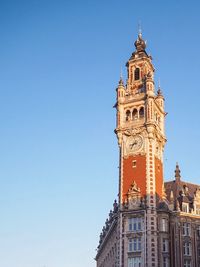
column 128, row 115
column 141, row 112
column 137, row 74
column 135, row 114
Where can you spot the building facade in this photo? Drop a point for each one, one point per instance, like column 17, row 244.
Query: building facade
column 153, row 224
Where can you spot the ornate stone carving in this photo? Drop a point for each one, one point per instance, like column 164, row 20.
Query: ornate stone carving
column 134, row 131
column 133, row 200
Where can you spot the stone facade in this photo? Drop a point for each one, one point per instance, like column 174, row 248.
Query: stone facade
column 153, row 224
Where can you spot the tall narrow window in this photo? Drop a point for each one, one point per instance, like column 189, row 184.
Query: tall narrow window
column 137, row 74
column 163, row 225
column 165, row 247
column 165, row 262
column 141, row 112
column 186, row 229
column 187, row 248
column 198, row 231
column 135, row 114
column 128, row 115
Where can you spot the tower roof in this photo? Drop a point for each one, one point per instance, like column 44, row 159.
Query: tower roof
column 140, row 46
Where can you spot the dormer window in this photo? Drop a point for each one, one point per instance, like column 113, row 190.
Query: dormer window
column 198, row 209
column 185, row 207
column 137, row 74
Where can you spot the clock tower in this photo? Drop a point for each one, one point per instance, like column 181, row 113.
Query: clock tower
column 141, row 138
column 153, row 224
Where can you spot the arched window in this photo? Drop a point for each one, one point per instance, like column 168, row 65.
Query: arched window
column 141, row 112
column 137, row 74
column 128, row 115
column 135, row 114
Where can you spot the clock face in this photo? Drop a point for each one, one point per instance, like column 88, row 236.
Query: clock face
column 134, row 143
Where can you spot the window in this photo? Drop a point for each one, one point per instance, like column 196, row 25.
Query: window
column 134, row 262
column 134, row 163
column 198, row 251
column 163, row 225
column 198, row 230
column 134, row 244
column 187, row 263
column 165, row 262
column 165, row 245
column 187, row 248
column 141, row 112
column 186, row 229
column 128, row 115
column 184, row 207
column 135, row 224
column 135, row 114
column 198, row 209
column 137, row 74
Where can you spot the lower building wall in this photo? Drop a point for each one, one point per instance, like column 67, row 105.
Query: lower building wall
column 178, row 241
column 108, row 252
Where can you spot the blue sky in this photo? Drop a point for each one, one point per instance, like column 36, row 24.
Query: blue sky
column 59, row 66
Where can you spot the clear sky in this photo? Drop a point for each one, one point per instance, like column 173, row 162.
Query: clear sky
column 59, row 66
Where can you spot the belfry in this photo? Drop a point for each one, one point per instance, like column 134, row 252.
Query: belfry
column 147, row 221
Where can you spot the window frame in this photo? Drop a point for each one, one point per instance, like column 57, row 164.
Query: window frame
column 187, row 249
column 135, row 244
column 135, row 224
column 134, row 261
column 186, row 229
column 137, row 74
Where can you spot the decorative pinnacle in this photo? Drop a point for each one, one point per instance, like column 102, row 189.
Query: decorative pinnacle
column 121, row 78
column 177, row 172
column 159, row 92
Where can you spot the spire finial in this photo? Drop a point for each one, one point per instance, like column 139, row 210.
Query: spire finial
column 139, row 28
column 121, row 74
column 121, row 77
column 159, row 92
column 159, row 83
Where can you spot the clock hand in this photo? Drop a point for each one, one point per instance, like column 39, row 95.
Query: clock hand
column 134, row 143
